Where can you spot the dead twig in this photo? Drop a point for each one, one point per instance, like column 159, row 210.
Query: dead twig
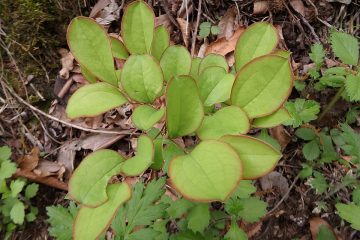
column 196, row 29
column 285, row 196
column 123, row 132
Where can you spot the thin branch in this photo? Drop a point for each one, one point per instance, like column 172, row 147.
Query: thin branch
column 124, row 132
column 196, row 29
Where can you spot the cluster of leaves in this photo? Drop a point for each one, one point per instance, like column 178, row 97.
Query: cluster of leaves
column 15, row 206
column 319, row 149
column 149, row 214
column 346, row 76
column 192, row 87
column 206, row 28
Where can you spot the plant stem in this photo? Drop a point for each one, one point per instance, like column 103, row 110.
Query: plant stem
column 332, row 102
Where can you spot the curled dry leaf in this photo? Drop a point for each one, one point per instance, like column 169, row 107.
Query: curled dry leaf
column 185, row 30
column 47, row 168
column 261, row 7
column 165, row 21
column 315, row 224
column 109, row 13
column 227, row 23
column 100, row 5
column 222, row 46
column 275, row 179
column 281, row 135
column 29, row 161
column 67, row 63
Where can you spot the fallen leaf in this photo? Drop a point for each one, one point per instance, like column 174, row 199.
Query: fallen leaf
column 227, row 23
column 164, row 21
column 50, row 181
column 315, row 224
column 67, row 63
column 110, row 13
column 298, row 6
column 184, row 28
column 29, row 161
column 222, row 46
column 47, row 168
column 261, row 7
column 275, row 179
column 66, row 156
column 281, row 135
column 98, row 141
column 100, row 5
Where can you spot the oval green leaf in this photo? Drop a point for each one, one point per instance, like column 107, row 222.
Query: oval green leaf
column 161, row 42
column 257, row 40
column 176, row 60
column 144, row 157
column 137, row 27
column 142, row 78
column 195, row 64
column 281, row 53
column 90, row 45
column 228, row 120
column 88, row 183
column 213, row 60
column 262, row 86
column 118, row 49
column 90, row 223
column 184, row 110
column 272, row 120
column 91, row 78
column 94, row 99
column 209, row 173
column 158, row 154
column 258, row 158
column 215, row 85
column 144, row 117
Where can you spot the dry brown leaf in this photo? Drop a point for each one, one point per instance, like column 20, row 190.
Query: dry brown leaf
column 47, row 168
column 66, row 156
column 203, row 48
column 109, row 13
column 298, row 6
column 253, row 229
column 67, row 63
column 98, row 141
column 165, row 21
column 275, row 179
column 281, row 135
column 30, row 161
column 223, row 46
column 100, row 5
column 185, row 30
column 227, row 23
column 316, row 223
column 261, row 7
column 50, row 181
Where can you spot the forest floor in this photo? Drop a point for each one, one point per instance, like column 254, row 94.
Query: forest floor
column 37, row 65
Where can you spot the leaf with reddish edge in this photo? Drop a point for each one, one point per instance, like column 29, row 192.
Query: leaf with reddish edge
column 88, row 183
column 94, row 99
column 175, row 61
column 258, row 157
column 118, row 49
column 137, row 27
column 213, row 60
column 90, row 45
column 275, row 119
column 262, row 86
column 209, row 173
column 161, row 42
column 142, row 78
column 142, row 160
column 90, row 223
column 258, row 39
column 184, row 110
column 228, row 120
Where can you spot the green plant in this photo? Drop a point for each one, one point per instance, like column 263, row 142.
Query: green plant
column 346, row 78
column 15, row 207
column 206, row 28
column 212, row 170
